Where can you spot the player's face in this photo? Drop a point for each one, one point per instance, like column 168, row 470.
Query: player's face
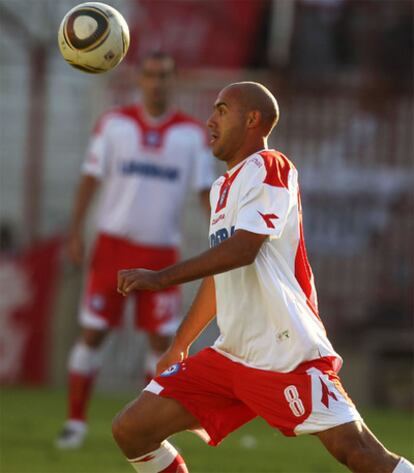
column 227, row 125
column 155, row 81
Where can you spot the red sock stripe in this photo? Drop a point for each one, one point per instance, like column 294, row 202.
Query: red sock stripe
column 177, row 466
column 80, row 389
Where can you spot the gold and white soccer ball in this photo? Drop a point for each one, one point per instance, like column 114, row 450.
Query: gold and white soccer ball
column 93, row 37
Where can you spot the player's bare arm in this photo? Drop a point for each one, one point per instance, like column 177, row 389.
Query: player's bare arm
column 85, row 193
column 201, row 313
column 239, row 250
column 204, row 196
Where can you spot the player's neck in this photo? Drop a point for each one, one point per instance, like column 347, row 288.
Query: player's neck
column 156, row 114
column 246, row 151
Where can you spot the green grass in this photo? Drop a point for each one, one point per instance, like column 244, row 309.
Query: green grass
column 30, row 420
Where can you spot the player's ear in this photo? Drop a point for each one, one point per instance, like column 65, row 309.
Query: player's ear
column 253, row 119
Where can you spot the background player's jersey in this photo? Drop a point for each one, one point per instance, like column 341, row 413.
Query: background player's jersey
column 267, row 311
column 147, row 168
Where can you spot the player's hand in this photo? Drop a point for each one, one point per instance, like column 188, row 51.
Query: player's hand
column 173, row 355
column 76, row 248
column 138, row 279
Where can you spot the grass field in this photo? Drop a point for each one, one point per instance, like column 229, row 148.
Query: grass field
column 30, row 419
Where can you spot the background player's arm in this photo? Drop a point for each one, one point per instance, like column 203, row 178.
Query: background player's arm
column 86, row 190
column 205, row 201
column 201, row 313
column 238, row 250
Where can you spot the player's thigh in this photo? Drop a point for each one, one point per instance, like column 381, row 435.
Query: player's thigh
column 153, row 416
column 354, row 439
column 307, row 400
column 102, row 306
column 338, row 440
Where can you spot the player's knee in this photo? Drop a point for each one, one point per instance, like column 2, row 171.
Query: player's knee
column 93, row 338
column 131, row 435
column 118, row 431
column 123, row 430
column 126, row 427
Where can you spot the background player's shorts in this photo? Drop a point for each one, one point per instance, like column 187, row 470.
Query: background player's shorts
column 102, row 306
column 224, row 395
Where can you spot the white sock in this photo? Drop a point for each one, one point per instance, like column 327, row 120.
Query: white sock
column 404, row 466
column 77, row 425
column 84, row 359
column 156, row 461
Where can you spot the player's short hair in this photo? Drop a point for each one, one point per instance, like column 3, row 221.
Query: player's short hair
column 159, row 55
column 255, row 96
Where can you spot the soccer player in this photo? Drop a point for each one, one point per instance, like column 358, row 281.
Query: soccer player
column 273, row 358
column 146, row 158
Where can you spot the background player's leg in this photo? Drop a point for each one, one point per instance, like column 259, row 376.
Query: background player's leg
column 141, row 428
column 157, row 315
column 84, row 363
column 354, row 445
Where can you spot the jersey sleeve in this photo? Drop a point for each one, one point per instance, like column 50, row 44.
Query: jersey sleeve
column 96, row 158
column 204, row 172
column 264, row 208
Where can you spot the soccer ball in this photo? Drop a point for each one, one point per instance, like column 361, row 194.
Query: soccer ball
column 93, row 37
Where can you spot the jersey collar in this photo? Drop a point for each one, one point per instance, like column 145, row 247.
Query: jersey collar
column 231, row 171
column 155, row 121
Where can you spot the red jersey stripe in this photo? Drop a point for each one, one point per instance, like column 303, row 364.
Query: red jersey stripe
column 277, row 168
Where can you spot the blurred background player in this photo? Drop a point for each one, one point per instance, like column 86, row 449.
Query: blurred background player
column 146, row 157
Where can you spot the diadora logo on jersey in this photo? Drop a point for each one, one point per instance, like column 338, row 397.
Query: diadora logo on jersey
column 268, row 219
column 257, row 161
column 150, row 170
column 326, row 394
column 152, row 138
column 217, row 219
column 173, row 369
column 220, row 235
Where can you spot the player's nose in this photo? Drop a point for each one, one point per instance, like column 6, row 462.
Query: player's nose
column 210, row 122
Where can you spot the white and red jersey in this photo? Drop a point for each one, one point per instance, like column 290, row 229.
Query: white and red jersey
column 267, row 311
column 147, row 168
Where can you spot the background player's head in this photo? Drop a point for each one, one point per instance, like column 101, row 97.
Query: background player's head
column 244, row 115
column 156, row 77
